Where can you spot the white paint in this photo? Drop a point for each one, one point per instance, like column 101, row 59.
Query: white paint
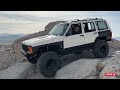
column 73, row 40
column 90, row 36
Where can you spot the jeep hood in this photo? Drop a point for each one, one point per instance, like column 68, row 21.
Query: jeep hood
column 43, row 40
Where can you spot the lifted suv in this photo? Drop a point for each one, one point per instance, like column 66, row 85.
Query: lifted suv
column 64, row 38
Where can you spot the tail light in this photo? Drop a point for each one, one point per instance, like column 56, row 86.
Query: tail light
column 30, row 50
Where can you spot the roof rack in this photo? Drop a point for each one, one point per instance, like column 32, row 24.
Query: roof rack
column 91, row 19
column 75, row 20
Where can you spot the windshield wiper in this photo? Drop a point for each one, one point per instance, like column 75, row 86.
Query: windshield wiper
column 53, row 34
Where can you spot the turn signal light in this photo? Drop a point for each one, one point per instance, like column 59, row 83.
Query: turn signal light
column 30, row 50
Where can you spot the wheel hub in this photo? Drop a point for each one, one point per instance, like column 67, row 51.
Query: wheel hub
column 50, row 64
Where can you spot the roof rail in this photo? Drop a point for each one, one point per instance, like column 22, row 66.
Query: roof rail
column 75, row 20
column 92, row 18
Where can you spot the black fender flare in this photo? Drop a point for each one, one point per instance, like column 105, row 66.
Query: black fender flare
column 100, row 38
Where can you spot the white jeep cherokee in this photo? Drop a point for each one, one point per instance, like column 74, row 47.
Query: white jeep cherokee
column 64, row 38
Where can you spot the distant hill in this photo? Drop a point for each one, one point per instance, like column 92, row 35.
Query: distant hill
column 117, row 38
column 10, row 38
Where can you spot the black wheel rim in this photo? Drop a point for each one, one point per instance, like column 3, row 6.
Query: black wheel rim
column 103, row 49
column 51, row 64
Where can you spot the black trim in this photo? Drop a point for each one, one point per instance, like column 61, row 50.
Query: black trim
column 76, row 48
column 105, row 34
column 58, row 44
column 42, row 48
column 60, row 49
column 36, row 48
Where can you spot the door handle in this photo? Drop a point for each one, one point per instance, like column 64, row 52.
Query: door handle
column 81, row 35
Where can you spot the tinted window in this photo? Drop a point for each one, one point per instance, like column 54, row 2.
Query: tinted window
column 75, row 29
column 89, row 27
column 101, row 25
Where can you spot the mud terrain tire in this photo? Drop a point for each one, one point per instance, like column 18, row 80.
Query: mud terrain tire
column 49, row 63
column 101, row 49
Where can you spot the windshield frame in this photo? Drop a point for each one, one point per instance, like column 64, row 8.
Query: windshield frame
column 64, row 31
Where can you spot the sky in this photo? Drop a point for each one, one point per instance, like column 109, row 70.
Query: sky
column 26, row 22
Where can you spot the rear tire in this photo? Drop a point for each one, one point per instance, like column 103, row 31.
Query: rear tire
column 101, row 49
column 49, row 63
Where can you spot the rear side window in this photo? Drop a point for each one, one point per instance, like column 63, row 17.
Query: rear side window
column 89, row 27
column 101, row 25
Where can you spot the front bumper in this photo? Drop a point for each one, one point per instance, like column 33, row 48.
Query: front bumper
column 23, row 52
column 28, row 56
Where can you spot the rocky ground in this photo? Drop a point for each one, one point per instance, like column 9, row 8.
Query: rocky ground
column 6, row 56
column 74, row 66
column 83, row 66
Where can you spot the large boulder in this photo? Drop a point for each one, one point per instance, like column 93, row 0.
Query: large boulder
column 80, row 69
column 18, row 71
column 110, row 65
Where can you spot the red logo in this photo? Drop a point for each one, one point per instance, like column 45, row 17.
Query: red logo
column 110, row 74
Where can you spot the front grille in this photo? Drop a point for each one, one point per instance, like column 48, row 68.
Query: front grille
column 25, row 47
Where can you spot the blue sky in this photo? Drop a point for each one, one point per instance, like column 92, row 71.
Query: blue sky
column 26, row 22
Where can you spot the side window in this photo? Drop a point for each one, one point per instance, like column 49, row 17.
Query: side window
column 74, row 29
column 89, row 27
column 101, row 25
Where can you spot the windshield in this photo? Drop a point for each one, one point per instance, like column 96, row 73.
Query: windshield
column 59, row 29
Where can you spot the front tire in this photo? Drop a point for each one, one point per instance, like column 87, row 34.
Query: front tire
column 49, row 63
column 101, row 49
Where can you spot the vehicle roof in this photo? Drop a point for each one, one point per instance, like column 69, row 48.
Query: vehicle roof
column 89, row 19
column 77, row 20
